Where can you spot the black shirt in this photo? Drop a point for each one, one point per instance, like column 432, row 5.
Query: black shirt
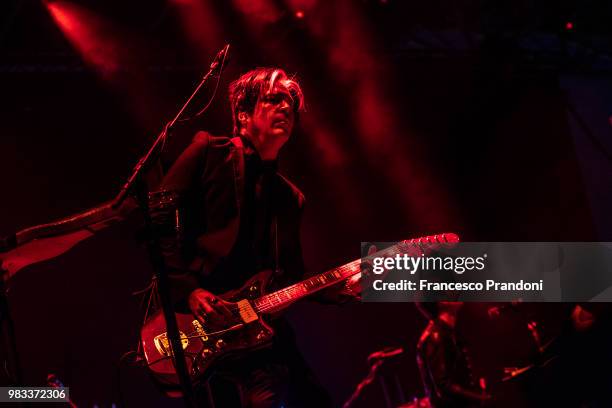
column 254, row 249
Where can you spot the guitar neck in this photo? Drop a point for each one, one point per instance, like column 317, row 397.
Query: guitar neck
column 282, row 298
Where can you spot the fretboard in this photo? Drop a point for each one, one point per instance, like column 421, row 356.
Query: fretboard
column 282, row 298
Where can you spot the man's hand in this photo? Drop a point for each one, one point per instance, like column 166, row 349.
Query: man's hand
column 353, row 285
column 208, row 308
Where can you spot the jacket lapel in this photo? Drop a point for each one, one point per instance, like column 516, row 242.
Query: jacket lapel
column 238, row 165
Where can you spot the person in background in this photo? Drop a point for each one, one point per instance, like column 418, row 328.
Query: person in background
column 443, row 360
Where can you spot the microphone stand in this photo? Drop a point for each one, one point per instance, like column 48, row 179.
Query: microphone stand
column 375, row 360
column 146, row 160
column 135, row 184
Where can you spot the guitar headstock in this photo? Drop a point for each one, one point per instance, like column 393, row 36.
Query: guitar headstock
column 444, row 238
column 427, row 244
column 374, row 266
column 415, row 247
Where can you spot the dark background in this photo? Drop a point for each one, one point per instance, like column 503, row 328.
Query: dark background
column 488, row 119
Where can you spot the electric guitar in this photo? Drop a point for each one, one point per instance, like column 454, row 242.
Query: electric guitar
column 247, row 330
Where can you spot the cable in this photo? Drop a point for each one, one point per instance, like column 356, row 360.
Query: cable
column 212, row 97
column 122, row 359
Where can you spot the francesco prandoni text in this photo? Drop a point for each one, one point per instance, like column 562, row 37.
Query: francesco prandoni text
column 489, row 284
column 459, row 265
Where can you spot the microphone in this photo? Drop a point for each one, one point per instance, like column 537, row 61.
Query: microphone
column 221, row 56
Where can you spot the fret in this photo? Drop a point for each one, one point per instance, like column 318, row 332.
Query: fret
column 282, row 297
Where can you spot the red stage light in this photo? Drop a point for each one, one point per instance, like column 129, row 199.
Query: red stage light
column 259, row 11
column 88, row 33
column 569, row 25
column 201, row 26
column 110, row 51
column 299, row 8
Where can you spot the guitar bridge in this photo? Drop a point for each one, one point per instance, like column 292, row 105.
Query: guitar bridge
column 200, row 330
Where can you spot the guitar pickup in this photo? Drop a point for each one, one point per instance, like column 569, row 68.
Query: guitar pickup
column 247, row 313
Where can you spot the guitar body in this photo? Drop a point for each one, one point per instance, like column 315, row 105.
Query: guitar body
column 205, row 346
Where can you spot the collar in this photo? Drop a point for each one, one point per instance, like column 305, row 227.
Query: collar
column 251, row 153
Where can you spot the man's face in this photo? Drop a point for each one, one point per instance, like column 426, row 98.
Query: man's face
column 273, row 117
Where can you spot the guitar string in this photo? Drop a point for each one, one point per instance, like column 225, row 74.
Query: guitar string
column 268, row 302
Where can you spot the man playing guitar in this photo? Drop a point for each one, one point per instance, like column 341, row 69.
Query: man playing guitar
column 223, row 213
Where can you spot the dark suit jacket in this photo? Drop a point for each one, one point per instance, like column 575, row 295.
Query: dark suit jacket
column 209, row 178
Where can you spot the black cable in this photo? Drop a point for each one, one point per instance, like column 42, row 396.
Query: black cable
column 212, row 97
column 118, row 385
